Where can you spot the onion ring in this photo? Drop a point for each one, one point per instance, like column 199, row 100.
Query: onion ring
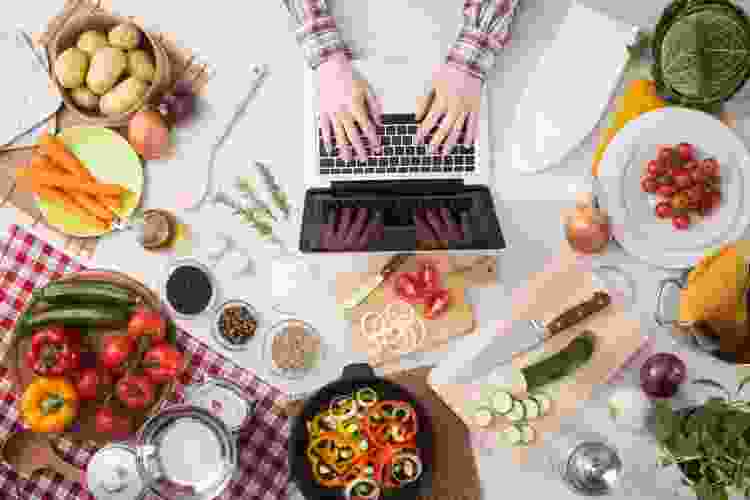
column 363, row 322
column 400, row 313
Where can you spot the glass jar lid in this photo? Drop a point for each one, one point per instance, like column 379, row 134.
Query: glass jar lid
column 186, row 452
column 112, row 474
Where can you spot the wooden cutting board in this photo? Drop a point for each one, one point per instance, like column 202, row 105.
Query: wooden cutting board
column 456, row 322
column 564, row 283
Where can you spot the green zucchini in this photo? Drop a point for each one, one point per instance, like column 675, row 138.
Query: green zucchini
column 80, row 316
column 87, row 293
column 557, row 366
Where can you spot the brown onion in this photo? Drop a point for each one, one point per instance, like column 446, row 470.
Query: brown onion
column 587, row 230
column 148, row 134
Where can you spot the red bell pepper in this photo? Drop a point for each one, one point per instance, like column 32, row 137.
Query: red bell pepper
column 52, row 353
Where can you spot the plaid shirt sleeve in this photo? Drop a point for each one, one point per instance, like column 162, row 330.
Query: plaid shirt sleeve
column 316, row 31
column 485, row 32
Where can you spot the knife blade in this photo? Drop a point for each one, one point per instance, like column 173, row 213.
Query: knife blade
column 497, row 349
column 363, row 291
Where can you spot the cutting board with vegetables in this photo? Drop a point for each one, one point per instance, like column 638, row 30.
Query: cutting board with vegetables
column 500, row 407
column 457, row 320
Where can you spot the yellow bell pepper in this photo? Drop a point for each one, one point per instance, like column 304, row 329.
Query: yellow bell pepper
column 640, row 97
column 49, row 404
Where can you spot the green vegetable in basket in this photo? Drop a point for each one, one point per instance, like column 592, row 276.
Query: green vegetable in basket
column 701, row 52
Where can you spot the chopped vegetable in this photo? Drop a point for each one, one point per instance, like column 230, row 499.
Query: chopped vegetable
column 630, row 407
column 559, row 365
column 483, row 417
column 531, row 408
column 502, row 402
column 517, row 413
column 366, row 397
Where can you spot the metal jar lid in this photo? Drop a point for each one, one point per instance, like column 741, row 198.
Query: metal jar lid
column 592, row 469
column 224, row 399
column 112, row 474
column 185, row 452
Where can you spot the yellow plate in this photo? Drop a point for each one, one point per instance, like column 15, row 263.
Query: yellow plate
column 111, row 160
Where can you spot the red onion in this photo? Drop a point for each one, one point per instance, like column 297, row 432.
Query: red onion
column 662, row 374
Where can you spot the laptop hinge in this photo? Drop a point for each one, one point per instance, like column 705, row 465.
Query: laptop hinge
column 405, row 187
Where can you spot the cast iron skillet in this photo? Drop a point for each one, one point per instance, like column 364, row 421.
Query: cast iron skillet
column 357, row 376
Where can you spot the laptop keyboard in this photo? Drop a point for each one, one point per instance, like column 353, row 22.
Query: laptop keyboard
column 399, row 153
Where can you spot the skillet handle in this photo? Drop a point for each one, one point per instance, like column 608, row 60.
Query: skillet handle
column 357, row 370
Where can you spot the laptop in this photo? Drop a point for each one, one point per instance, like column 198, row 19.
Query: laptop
column 403, row 179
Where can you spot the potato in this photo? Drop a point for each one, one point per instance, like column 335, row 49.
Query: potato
column 107, row 65
column 85, row 98
column 125, row 36
column 123, row 97
column 141, row 65
column 91, row 41
column 70, row 68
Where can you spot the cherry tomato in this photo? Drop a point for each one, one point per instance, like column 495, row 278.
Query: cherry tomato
column 691, row 165
column 666, row 156
column 145, row 322
column 695, row 195
column 710, row 167
column 666, row 191
column 710, row 202
column 680, row 201
column 135, row 391
column 88, row 381
column 162, row 363
column 117, row 349
column 698, row 175
column 681, row 222
column 109, row 423
column 655, row 168
column 664, row 210
column 686, row 151
column 437, row 303
column 408, row 288
column 682, row 178
column 429, row 276
column 649, row 185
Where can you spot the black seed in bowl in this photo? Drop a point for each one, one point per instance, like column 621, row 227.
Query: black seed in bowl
column 189, row 290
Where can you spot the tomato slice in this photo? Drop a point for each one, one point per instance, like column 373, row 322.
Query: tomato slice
column 437, row 304
column 408, row 288
column 429, row 276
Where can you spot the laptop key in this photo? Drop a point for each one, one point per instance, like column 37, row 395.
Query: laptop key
column 448, row 160
column 447, row 169
column 393, row 161
column 335, row 171
column 388, row 151
column 421, row 150
column 361, row 163
column 469, row 168
column 407, row 140
column 399, row 150
column 456, row 150
column 346, row 171
column 359, row 171
column 369, row 170
column 398, row 118
column 458, row 168
column 402, row 130
column 351, row 163
column 385, row 141
column 410, row 150
column 470, row 160
column 380, row 171
column 412, row 129
column 372, row 162
column 413, row 169
column 415, row 160
column 340, row 163
column 426, row 160
column 458, row 160
column 437, row 160
column 327, row 162
column 383, row 162
column 396, row 140
column 390, row 130
column 404, row 160
column 426, row 169
column 324, row 171
column 437, row 169
column 392, row 170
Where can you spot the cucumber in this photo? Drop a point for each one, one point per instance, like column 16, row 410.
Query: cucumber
column 517, row 413
column 544, row 402
column 88, row 293
column 528, row 434
column 513, row 435
column 557, row 366
column 502, row 402
column 80, row 316
column 532, row 409
column 483, row 416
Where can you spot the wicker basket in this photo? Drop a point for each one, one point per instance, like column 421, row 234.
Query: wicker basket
column 104, row 22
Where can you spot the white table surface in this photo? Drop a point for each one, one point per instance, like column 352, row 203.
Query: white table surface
column 231, row 36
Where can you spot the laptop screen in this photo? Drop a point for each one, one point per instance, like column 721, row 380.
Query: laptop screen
column 380, row 217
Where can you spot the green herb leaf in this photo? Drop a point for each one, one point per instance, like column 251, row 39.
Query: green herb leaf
column 665, row 421
column 713, row 384
column 743, row 383
column 171, row 332
column 686, row 445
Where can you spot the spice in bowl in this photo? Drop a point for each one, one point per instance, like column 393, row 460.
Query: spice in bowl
column 236, row 324
column 295, row 347
column 189, row 288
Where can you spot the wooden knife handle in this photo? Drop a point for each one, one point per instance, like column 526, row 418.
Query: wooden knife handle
column 393, row 264
column 596, row 303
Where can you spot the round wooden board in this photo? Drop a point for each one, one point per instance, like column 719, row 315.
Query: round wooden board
column 21, row 376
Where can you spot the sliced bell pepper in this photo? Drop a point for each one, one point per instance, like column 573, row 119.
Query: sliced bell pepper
column 325, row 476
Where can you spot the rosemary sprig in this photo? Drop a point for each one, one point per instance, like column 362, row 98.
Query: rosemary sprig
column 249, row 215
column 245, row 186
column 277, row 194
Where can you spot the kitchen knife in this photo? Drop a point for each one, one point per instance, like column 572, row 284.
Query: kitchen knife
column 363, row 291
column 493, row 349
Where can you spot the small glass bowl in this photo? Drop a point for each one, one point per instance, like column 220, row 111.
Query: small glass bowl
column 278, row 329
column 225, row 343
column 189, row 261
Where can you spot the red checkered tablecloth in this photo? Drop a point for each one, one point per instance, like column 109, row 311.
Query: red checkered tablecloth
column 28, row 262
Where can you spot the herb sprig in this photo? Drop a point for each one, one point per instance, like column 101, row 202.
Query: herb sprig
column 711, row 443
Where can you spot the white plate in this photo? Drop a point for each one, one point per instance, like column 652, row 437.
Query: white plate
column 637, row 228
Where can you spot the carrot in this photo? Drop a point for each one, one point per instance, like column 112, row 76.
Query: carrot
column 70, row 204
column 113, row 203
column 92, row 205
column 71, row 183
column 41, row 162
column 55, row 149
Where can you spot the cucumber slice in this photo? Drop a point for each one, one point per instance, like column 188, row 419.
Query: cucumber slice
column 532, row 408
column 483, row 417
column 517, row 413
column 502, row 402
column 544, row 401
column 514, row 436
column 528, row 434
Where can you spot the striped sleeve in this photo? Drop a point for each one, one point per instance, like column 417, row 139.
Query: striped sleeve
column 316, row 31
column 484, row 34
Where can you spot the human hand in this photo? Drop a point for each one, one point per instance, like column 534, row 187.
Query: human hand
column 346, row 106
column 437, row 228
column 350, row 229
column 454, row 103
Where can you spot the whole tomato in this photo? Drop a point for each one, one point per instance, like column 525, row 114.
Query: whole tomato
column 116, row 351
column 436, row 304
column 666, row 191
column 682, row 178
column 655, row 168
column 429, row 277
column 135, row 391
column 162, row 363
column 112, row 424
column 686, row 151
column 681, row 222
column 146, row 322
column 710, row 167
column 408, row 288
column 88, row 381
column 649, row 185
column 664, row 210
